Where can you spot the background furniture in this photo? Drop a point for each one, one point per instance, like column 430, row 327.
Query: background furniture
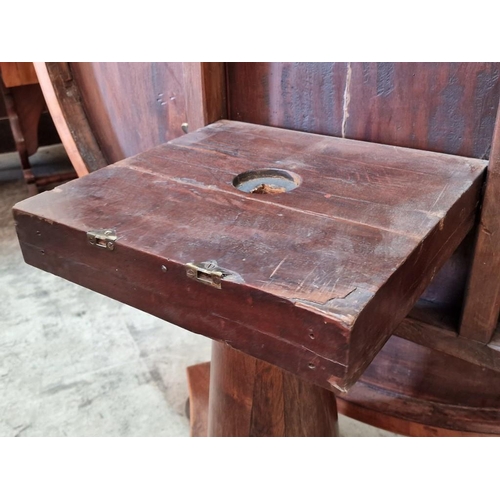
column 24, row 104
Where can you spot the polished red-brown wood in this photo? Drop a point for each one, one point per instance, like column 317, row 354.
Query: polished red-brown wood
column 109, row 111
column 205, row 88
column 131, row 107
column 65, row 105
column 317, row 278
column 17, row 74
column 422, row 328
column 24, row 113
column 446, row 107
column 482, row 300
column 249, row 397
column 414, row 390
column 443, row 107
column 198, row 377
column 401, row 408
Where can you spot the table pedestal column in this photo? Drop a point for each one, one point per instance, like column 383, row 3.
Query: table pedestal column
column 249, row 397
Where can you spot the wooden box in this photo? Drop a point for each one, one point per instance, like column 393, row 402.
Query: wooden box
column 313, row 279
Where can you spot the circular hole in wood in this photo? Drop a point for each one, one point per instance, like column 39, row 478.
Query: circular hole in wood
column 267, row 181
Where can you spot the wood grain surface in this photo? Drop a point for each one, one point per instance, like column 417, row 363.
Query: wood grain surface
column 64, row 102
column 252, row 398
column 198, row 377
column 318, row 278
column 442, row 107
column 482, row 300
column 16, row 74
column 395, row 410
column 445, row 339
column 415, row 390
column 132, row 107
column 109, row 111
column 205, row 89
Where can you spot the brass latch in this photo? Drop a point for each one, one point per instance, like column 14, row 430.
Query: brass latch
column 206, row 272
column 102, row 238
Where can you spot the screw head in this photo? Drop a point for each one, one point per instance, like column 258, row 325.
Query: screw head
column 110, row 245
column 191, row 273
column 164, row 269
column 185, row 128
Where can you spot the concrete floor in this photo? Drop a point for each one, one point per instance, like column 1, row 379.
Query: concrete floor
column 75, row 363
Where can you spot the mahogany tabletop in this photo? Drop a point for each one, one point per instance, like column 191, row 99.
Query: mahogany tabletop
column 302, row 250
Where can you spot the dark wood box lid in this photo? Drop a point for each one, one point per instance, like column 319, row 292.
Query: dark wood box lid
column 314, row 279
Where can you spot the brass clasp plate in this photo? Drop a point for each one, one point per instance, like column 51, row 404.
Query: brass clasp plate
column 206, row 272
column 102, row 238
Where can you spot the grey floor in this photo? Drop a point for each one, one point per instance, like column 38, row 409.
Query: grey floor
column 75, row 363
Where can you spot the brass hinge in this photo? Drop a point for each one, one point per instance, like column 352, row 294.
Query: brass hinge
column 102, row 238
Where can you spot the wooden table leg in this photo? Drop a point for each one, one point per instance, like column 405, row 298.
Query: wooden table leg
column 24, row 105
column 22, row 124
column 249, row 397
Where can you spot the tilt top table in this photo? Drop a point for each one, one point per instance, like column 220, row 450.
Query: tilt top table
column 300, row 250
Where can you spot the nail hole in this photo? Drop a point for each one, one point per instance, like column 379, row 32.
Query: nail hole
column 311, row 335
column 267, row 181
column 312, row 366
